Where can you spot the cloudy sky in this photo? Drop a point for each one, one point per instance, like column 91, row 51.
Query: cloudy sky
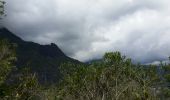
column 86, row 29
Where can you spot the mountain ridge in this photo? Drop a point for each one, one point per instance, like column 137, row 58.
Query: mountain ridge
column 44, row 60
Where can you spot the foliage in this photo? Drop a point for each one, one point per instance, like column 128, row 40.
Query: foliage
column 20, row 86
column 44, row 60
column 24, row 86
column 114, row 78
column 7, row 57
column 1, row 8
column 166, row 79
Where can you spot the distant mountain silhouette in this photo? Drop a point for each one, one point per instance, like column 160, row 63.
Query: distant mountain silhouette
column 41, row 59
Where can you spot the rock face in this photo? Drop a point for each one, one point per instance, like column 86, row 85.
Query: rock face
column 44, row 60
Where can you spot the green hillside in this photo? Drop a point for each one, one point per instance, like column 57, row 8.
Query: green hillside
column 43, row 60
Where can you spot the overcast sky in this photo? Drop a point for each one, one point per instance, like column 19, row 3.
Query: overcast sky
column 86, row 29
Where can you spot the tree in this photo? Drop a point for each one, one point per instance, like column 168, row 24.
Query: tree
column 7, row 57
column 21, row 86
column 166, row 78
column 1, row 8
column 113, row 78
column 24, row 86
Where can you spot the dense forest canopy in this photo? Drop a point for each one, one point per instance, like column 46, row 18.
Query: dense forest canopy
column 114, row 77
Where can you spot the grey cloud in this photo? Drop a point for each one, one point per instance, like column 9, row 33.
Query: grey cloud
column 86, row 29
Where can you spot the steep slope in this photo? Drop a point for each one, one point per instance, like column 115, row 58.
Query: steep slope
column 44, row 60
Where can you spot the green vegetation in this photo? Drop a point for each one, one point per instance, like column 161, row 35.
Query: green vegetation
column 7, row 56
column 1, row 8
column 115, row 77
column 19, row 86
column 44, row 60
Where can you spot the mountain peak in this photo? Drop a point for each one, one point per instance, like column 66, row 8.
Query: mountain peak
column 43, row 60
